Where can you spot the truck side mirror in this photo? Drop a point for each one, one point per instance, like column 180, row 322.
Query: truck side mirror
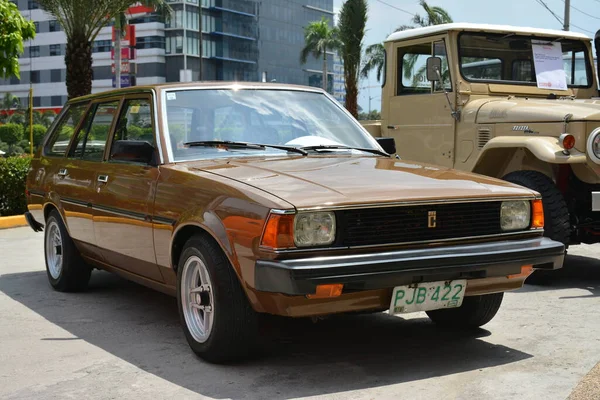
column 388, row 144
column 434, row 69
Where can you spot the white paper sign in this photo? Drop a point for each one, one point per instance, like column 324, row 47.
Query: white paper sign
column 549, row 67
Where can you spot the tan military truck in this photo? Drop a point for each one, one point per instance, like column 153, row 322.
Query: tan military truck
column 508, row 102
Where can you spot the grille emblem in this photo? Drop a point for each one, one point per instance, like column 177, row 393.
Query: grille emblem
column 432, row 219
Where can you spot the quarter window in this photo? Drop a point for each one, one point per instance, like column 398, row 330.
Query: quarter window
column 61, row 136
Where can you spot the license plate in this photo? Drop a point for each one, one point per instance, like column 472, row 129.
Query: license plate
column 427, row 296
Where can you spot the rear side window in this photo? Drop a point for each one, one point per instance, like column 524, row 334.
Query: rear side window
column 92, row 137
column 63, row 132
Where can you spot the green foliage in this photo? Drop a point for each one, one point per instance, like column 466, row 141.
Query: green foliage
column 13, row 173
column 374, row 60
column 373, row 115
column 11, row 133
column 4, row 147
column 14, row 29
column 39, row 131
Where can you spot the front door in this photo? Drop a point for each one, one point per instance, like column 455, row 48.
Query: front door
column 125, row 186
column 419, row 116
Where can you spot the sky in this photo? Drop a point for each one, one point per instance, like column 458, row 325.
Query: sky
column 383, row 19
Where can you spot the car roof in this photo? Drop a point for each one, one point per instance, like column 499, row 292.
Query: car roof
column 197, row 85
column 462, row 26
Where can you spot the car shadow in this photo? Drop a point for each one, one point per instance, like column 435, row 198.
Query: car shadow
column 343, row 353
column 577, row 272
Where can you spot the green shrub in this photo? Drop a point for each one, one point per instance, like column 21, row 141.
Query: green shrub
column 39, row 131
column 11, row 133
column 13, row 172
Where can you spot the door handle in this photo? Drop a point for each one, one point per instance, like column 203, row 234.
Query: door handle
column 63, row 172
column 103, row 178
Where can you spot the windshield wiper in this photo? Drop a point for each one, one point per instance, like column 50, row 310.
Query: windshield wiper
column 245, row 145
column 327, row 146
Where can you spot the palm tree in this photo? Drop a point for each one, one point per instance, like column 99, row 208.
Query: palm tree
column 9, row 101
column 82, row 22
column 374, row 60
column 433, row 15
column 353, row 19
column 319, row 38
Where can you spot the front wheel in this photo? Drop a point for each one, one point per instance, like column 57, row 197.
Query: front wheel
column 217, row 319
column 474, row 312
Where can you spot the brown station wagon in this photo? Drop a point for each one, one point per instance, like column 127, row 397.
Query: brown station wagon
column 250, row 199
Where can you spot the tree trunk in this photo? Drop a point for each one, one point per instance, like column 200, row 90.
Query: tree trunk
column 78, row 59
column 325, row 70
column 351, row 95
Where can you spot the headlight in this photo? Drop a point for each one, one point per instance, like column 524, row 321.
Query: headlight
column 593, row 145
column 314, row 229
column 515, row 215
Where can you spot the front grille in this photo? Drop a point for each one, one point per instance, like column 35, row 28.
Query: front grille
column 372, row 226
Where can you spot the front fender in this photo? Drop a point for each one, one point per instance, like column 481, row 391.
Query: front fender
column 544, row 148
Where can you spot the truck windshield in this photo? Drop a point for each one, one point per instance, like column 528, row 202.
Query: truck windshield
column 508, row 58
column 277, row 118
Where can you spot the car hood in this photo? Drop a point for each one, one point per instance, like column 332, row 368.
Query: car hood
column 326, row 181
column 521, row 110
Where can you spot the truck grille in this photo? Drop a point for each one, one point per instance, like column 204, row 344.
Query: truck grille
column 373, row 226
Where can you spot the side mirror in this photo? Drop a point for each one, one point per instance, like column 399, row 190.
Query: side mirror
column 388, row 144
column 434, row 69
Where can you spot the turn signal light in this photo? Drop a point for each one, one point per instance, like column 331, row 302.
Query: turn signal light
column 567, row 141
column 526, row 270
column 537, row 216
column 326, row 291
column 279, row 232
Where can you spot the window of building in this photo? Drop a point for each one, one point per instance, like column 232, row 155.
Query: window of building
column 192, row 19
column 55, row 50
column 37, row 26
column 174, row 44
column 150, row 42
column 55, row 101
column 61, row 136
column 34, row 51
column 101, row 46
column 55, row 26
column 35, row 76
column 55, row 75
column 32, row 5
column 193, row 43
column 37, row 101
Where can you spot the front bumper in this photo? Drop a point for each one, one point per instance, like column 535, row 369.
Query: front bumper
column 403, row 267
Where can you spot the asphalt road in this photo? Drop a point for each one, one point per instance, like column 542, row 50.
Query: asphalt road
column 121, row 340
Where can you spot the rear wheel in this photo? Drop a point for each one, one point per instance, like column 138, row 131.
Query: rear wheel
column 474, row 312
column 217, row 319
column 66, row 270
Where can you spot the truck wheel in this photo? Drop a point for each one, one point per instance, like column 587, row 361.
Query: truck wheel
column 556, row 214
column 474, row 312
column 219, row 323
column 67, row 272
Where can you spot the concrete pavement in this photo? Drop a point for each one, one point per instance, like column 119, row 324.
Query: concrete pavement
column 121, row 340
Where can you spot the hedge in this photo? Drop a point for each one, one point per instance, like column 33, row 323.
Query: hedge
column 11, row 133
column 13, row 172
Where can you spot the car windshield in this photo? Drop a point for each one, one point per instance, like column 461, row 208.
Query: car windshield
column 265, row 116
column 508, row 58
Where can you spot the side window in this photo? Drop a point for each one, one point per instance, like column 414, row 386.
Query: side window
column 522, row 71
column 134, row 136
column 439, row 50
column 61, row 136
column 412, row 72
column 91, row 139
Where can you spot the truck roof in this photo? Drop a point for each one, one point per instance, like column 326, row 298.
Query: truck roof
column 462, row 26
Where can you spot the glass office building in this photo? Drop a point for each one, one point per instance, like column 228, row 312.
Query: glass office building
column 234, row 40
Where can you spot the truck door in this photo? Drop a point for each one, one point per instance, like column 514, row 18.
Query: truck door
column 419, row 116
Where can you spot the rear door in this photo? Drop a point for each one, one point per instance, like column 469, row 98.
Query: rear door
column 125, row 187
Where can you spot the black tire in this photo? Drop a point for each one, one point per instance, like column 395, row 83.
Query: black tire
column 556, row 214
column 74, row 274
column 235, row 328
column 474, row 312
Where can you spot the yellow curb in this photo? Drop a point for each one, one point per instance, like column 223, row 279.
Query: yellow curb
column 12, row 221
